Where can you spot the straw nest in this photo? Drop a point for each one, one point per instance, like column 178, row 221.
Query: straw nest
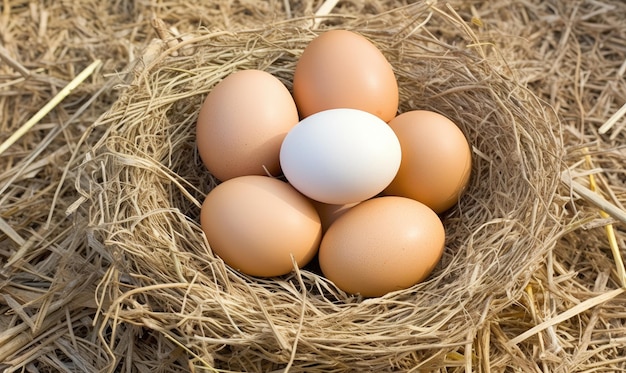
column 146, row 184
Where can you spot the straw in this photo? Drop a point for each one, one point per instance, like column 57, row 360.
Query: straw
column 610, row 231
column 61, row 193
column 50, row 105
column 612, row 120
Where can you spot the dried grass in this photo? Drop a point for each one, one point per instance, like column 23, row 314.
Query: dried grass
column 574, row 56
column 125, row 281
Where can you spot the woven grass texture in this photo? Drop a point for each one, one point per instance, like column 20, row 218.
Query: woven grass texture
column 104, row 266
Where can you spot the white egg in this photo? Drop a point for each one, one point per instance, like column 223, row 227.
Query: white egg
column 340, row 156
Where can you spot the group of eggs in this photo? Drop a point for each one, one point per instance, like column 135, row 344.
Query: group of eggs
column 331, row 171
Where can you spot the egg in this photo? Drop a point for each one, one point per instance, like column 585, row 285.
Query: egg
column 257, row 223
column 382, row 245
column 340, row 156
column 342, row 69
column 436, row 159
column 329, row 213
column 242, row 123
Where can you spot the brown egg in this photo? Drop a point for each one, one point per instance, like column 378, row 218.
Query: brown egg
column 256, row 223
column 242, row 124
column 342, row 69
column 436, row 159
column 329, row 213
column 382, row 245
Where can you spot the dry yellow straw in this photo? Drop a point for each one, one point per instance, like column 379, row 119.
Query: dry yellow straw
column 4, row 55
column 324, row 10
column 50, row 105
column 533, row 313
column 594, row 198
column 579, row 308
column 7, row 229
column 592, row 195
column 612, row 120
column 610, row 232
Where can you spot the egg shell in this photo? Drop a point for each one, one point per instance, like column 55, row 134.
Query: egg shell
column 382, row 245
column 340, row 156
column 329, row 213
column 242, row 124
column 342, row 69
column 436, row 159
column 256, row 223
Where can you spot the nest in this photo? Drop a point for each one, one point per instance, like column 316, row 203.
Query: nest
column 146, row 184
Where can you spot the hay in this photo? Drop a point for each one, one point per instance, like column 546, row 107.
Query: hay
column 56, row 280
column 49, row 266
column 146, row 184
column 47, row 275
column 574, row 56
